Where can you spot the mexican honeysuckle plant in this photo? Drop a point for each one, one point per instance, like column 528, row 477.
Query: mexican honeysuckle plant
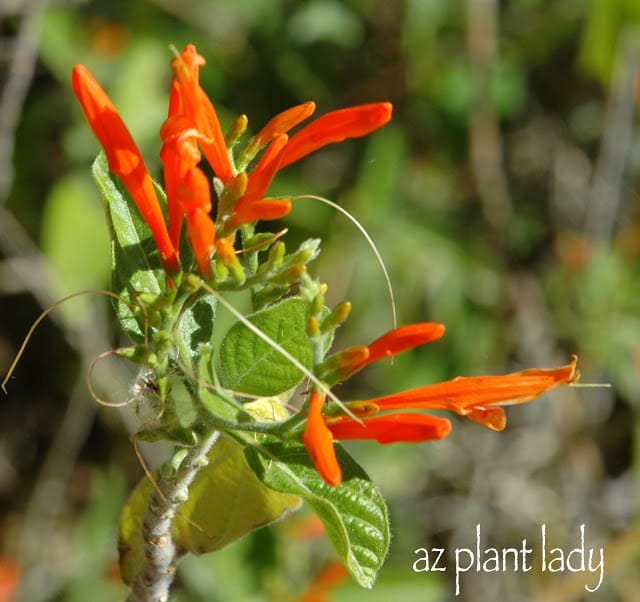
column 250, row 412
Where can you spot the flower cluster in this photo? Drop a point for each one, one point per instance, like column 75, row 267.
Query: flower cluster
column 479, row 398
column 191, row 129
column 239, row 194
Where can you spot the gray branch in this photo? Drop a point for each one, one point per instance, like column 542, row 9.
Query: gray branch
column 152, row 584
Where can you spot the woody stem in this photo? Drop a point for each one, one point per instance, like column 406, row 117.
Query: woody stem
column 171, row 490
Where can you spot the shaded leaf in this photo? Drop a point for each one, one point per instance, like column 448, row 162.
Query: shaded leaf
column 226, row 501
column 196, row 328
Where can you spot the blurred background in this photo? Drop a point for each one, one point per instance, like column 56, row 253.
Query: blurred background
column 503, row 199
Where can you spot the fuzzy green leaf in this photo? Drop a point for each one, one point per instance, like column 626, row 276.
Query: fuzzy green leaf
column 135, row 262
column 195, row 329
column 220, row 406
column 251, row 365
column 353, row 513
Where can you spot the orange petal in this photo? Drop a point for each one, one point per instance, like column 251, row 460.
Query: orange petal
column 282, row 123
column 319, row 442
column 263, row 173
column 336, row 126
column 493, row 418
column 400, row 339
column 267, row 209
column 193, row 191
column 172, row 165
column 198, row 107
column 464, row 395
column 405, row 337
column 392, row 428
column 172, row 172
column 124, row 158
column 188, row 194
column 225, row 250
column 201, row 232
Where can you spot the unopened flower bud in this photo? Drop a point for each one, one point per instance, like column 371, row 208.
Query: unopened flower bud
column 338, row 366
column 362, row 409
column 138, row 354
column 227, row 255
column 238, row 127
column 290, row 274
column 269, row 294
column 339, row 314
column 220, row 270
column 317, row 304
column 313, row 326
column 276, row 254
column 308, row 250
column 231, row 193
column 259, row 241
column 191, row 282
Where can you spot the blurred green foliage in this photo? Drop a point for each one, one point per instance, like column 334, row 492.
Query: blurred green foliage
column 484, row 198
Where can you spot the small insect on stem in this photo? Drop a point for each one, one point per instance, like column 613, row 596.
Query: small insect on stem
column 144, row 384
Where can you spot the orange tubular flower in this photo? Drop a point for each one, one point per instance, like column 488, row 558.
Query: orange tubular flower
column 187, row 187
column 345, row 363
column 280, row 124
column 391, row 428
column 480, row 397
column 249, row 204
column 336, row 126
column 124, row 159
column 197, row 105
column 318, row 440
column 352, row 122
column 398, row 340
column 267, row 209
column 319, row 433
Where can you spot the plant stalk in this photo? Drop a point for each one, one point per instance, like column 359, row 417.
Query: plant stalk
column 153, row 582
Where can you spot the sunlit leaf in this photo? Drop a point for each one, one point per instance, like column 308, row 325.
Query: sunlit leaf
column 195, row 328
column 135, row 262
column 217, row 404
column 353, row 513
column 251, row 365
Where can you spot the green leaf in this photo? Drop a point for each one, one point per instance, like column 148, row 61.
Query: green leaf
column 195, row 329
column 221, row 407
column 226, row 501
column 353, row 513
column 135, row 262
column 251, row 365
